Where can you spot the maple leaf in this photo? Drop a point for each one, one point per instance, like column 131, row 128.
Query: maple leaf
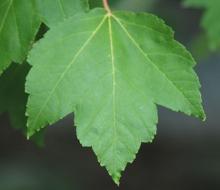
column 111, row 70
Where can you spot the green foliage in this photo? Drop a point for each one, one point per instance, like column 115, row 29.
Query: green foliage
column 111, row 70
column 198, row 3
column 210, row 20
column 200, row 47
column 13, row 98
column 18, row 27
column 55, row 11
column 20, row 21
column 99, row 3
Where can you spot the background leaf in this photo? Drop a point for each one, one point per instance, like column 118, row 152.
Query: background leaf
column 13, row 98
column 18, row 27
column 55, row 11
column 210, row 20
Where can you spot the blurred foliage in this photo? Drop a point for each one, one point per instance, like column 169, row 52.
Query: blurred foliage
column 200, row 47
column 137, row 5
column 13, row 98
column 21, row 177
column 98, row 3
column 12, row 95
column 210, row 20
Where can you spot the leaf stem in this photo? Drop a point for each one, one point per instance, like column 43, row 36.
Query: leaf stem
column 106, row 6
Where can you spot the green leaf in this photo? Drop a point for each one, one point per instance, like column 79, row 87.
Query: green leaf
column 210, row 20
column 18, row 27
column 111, row 71
column 55, row 11
column 13, row 98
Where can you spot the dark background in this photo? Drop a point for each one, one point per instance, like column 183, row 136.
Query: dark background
column 185, row 154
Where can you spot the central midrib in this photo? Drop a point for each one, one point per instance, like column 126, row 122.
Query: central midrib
column 113, row 88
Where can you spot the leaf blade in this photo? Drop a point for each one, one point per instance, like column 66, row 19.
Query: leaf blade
column 180, row 52
column 93, row 71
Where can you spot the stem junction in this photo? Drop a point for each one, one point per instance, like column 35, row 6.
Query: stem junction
column 107, row 7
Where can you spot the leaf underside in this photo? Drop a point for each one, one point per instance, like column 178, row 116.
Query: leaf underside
column 18, row 27
column 210, row 20
column 111, row 71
